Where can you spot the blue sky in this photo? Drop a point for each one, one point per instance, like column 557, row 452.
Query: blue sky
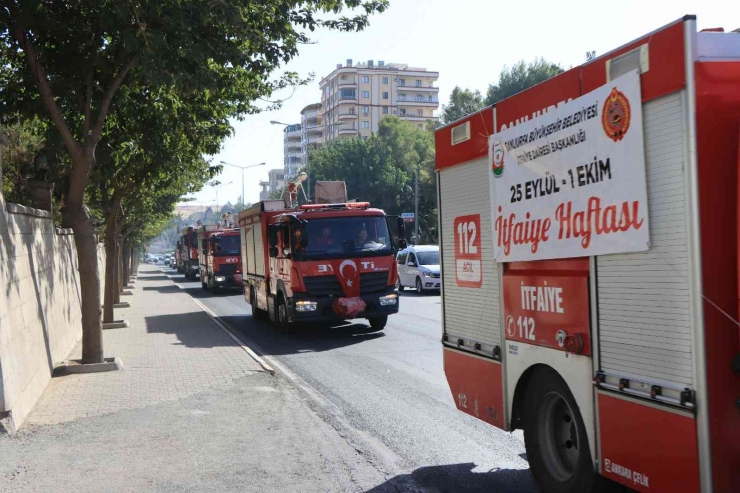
column 468, row 42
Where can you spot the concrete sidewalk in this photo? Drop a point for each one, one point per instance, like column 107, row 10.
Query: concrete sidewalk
column 191, row 412
column 171, row 350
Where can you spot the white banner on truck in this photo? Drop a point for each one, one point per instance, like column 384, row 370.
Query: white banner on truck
column 571, row 182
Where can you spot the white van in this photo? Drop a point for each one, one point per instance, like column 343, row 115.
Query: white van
column 418, row 267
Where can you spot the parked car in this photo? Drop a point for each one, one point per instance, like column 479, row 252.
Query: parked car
column 418, row 267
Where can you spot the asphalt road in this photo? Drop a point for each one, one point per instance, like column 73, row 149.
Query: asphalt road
column 385, row 392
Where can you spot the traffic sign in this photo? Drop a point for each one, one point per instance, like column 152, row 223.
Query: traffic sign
column 407, row 216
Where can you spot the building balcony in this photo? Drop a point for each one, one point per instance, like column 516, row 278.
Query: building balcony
column 347, row 131
column 346, row 98
column 346, row 116
column 346, row 84
column 414, row 101
column 417, row 118
column 293, row 134
column 425, row 89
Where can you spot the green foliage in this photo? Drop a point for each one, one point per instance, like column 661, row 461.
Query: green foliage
column 462, row 103
column 381, row 169
column 520, row 77
column 25, row 143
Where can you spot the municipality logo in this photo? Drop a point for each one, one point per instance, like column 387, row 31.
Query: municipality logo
column 497, row 159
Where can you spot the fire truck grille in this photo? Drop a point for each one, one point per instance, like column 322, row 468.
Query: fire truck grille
column 323, row 286
column 373, row 282
column 370, row 282
column 227, row 268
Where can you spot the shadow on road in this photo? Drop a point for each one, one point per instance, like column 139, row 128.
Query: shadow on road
column 460, row 478
column 300, row 338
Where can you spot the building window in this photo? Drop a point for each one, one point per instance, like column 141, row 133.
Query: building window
column 385, row 110
column 352, row 110
column 365, row 94
column 365, row 79
column 365, row 124
column 403, row 111
column 431, row 99
column 347, row 94
column 418, row 83
column 385, row 95
column 419, row 112
column 401, row 82
column 385, row 80
column 365, row 110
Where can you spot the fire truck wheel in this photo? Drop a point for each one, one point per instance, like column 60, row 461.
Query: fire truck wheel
column 399, row 286
column 555, row 437
column 378, row 323
column 281, row 317
column 203, row 284
column 209, row 283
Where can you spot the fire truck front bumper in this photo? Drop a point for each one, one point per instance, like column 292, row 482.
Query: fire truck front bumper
column 224, row 280
column 305, row 308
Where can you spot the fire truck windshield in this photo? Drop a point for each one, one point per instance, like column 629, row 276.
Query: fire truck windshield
column 344, row 236
column 226, row 245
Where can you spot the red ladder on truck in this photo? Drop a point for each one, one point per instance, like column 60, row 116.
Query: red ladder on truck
column 589, row 251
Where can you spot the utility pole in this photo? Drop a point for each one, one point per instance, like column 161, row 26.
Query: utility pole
column 416, row 206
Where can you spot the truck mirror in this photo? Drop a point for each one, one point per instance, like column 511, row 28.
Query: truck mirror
column 273, row 252
column 401, row 233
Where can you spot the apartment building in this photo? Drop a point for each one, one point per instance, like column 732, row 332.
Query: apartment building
column 275, row 181
column 292, row 152
column 312, row 130
column 355, row 97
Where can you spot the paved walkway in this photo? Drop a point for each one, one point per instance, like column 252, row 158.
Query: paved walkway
column 171, row 350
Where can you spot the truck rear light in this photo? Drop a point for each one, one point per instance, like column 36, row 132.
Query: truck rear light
column 573, row 344
column 305, row 306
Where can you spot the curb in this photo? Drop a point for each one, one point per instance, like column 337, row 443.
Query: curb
column 109, row 364
column 116, row 324
column 125, row 304
column 269, row 369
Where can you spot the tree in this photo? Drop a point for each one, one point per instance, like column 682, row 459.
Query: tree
column 67, row 62
column 462, row 103
column 519, row 77
column 381, row 169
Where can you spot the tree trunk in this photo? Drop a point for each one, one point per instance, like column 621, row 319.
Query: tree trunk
column 126, row 250
column 87, row 259
column 119, row 264
column 110, row 270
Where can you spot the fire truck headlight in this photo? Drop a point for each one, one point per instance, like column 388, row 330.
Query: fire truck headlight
column 389, row 300
column 220, row 279
column 305, row 306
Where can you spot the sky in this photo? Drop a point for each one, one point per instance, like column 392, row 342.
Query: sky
column 468, row 42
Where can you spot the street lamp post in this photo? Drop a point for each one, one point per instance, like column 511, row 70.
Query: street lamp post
column 242, row 168
column 217, row 188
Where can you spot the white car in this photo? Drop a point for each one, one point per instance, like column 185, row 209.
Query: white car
column 418, row 267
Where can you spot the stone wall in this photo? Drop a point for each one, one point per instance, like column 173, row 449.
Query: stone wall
column 40, row 318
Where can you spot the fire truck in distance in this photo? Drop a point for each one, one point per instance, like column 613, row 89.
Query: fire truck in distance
column 590, row 241
column 178, row 256
column 190, row 258
column 318, row 262
column 220, row 257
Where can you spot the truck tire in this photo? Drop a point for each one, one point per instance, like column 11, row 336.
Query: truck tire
column 257, row 314
column 399, row 286
column 281, row 313
column 187, row 274
column 203, row 285
column 378, row 323
column 209, row 283
column 555, row 436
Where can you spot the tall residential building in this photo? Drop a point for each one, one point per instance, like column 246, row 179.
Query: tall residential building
column 292, row 136
column 276, row 181
column 312, row 130
column 354, row 98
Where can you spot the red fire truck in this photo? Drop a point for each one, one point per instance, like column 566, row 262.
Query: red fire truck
column 589, row 252
column 190, row 256
column 318, row 262
column 220, row 261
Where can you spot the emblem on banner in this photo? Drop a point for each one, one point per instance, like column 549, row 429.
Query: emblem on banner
column 615, row 116
column 497, row 159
